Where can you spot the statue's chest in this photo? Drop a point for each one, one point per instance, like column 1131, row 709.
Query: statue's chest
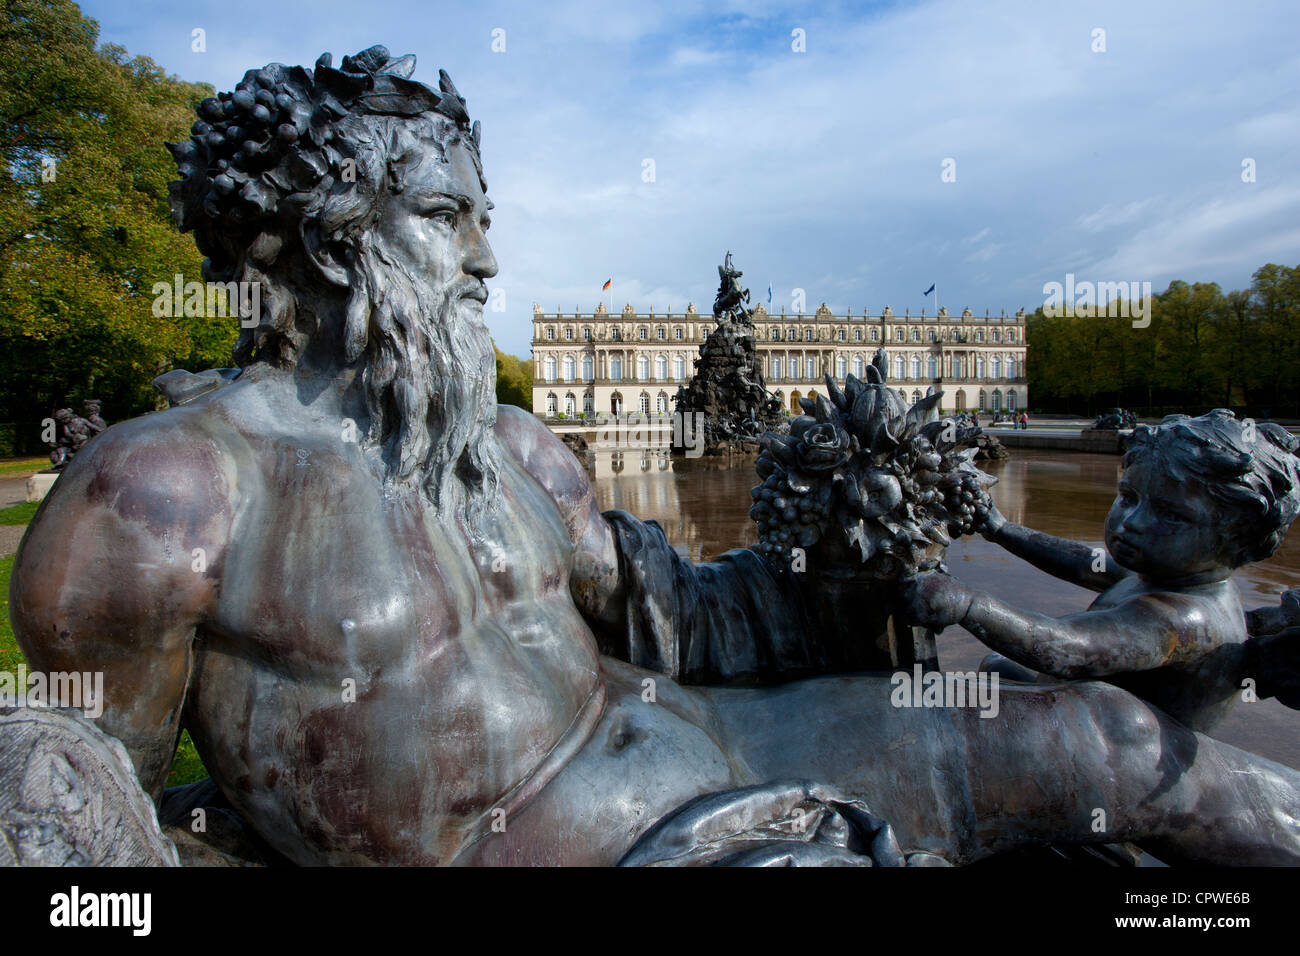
column 339, row 573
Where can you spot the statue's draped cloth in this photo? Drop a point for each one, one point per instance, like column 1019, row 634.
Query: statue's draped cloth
column 736, row 620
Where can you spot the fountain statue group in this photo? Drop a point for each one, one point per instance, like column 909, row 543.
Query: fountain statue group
column 72, row 431
column 727, row 391
column 399, row 629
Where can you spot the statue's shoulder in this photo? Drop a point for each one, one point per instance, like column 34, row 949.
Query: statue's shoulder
column 177, row 462
column 541, row 453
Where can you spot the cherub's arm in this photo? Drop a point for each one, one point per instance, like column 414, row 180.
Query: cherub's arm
column 1062, row 558
column 1142, row 633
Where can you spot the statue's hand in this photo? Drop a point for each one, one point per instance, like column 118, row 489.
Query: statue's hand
column 935, row 600
column 988, row 520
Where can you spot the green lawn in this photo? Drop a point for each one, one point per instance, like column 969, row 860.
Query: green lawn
column 19, row 466
column 19, row 514
column 186, row 765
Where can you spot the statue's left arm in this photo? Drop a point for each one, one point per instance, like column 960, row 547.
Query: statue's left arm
column 736, row 619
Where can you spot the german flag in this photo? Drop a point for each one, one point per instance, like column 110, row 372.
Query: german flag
column 608, row 283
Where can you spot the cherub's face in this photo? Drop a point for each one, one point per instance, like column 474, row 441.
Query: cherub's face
column 1162, row 528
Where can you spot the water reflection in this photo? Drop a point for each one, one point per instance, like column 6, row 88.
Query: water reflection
column 703, row 509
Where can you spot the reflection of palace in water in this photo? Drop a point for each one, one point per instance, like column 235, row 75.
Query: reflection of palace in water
column 598, row 363
column 642, row 483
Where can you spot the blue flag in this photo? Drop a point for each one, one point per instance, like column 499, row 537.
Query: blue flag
column 929, row 290
column 769, row 293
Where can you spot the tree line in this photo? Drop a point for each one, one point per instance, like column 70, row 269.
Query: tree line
column 1203, row 349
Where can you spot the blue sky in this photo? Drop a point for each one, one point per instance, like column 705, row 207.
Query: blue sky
column 822, row 170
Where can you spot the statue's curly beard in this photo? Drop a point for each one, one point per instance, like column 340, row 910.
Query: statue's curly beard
column 430, row 388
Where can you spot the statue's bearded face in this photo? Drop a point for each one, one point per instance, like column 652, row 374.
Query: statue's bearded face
column 430, row 372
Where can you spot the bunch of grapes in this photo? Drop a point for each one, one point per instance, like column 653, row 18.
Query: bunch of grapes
column 965, row 500
column 786, row 518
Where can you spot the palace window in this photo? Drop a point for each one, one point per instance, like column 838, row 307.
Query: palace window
column 570, row 406
column 900, row 367
column 616, row 335
column 807, row 335
column 932, row 335
column 997, row 400
column 774, row 366
column 916, row 335
column 678, row 333
column 644, row 403
column 997, row 368
column 661, row 403
column 916, row 366
column 916, row 396
column 550, row 334
column 1011, row 369
column 857, row 366
column 1011, row 399
column 979, row 369
column 810, row 368
column 994, row 333
column 842, row 335
column 551, row 405
column 588, row 404
column 568, row 368
column 979, row 336
column 643, row 334
column 661, row 368
column 791, row 335
column 550, row 368
column 1011, row 335
column 588, row 367
column 661, row 334
column 616, row 368
column 900, row 335
column 857, row 335
column 586, row 334
column 874, row 335
column 933, row 366
column 642, row 368
column 776, row 335
column 679, row 368
column 841, row 364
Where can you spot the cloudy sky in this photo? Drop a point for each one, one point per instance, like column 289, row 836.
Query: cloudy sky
column 823, row 169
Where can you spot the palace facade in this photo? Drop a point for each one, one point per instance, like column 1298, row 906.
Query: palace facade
column 598, row 363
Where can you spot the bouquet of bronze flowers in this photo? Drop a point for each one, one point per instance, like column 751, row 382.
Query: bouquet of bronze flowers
column 896, row 482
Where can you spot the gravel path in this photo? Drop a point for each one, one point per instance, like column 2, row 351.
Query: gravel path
column 10, row 535
column 13, row 490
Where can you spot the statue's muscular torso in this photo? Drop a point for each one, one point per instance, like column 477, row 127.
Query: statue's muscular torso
column 467, row 663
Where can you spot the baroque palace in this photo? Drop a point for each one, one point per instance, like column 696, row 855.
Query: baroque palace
column 596, row 363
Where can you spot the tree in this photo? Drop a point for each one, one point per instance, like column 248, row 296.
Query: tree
column 85, row 228
column 514, row 380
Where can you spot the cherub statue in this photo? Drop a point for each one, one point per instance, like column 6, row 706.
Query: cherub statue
column 1199, row 497
column 73, row 431
column 93, row 419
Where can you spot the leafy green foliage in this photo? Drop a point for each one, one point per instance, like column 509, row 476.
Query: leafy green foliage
column 514, row 381
column 85, row 228
column 1203, row 349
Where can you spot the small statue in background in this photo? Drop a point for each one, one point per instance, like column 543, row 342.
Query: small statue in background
column 73, row 431
column 96, row 423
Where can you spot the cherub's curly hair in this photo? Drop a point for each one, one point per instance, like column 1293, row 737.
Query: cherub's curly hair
column 300, row 156
column 1250, row 469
